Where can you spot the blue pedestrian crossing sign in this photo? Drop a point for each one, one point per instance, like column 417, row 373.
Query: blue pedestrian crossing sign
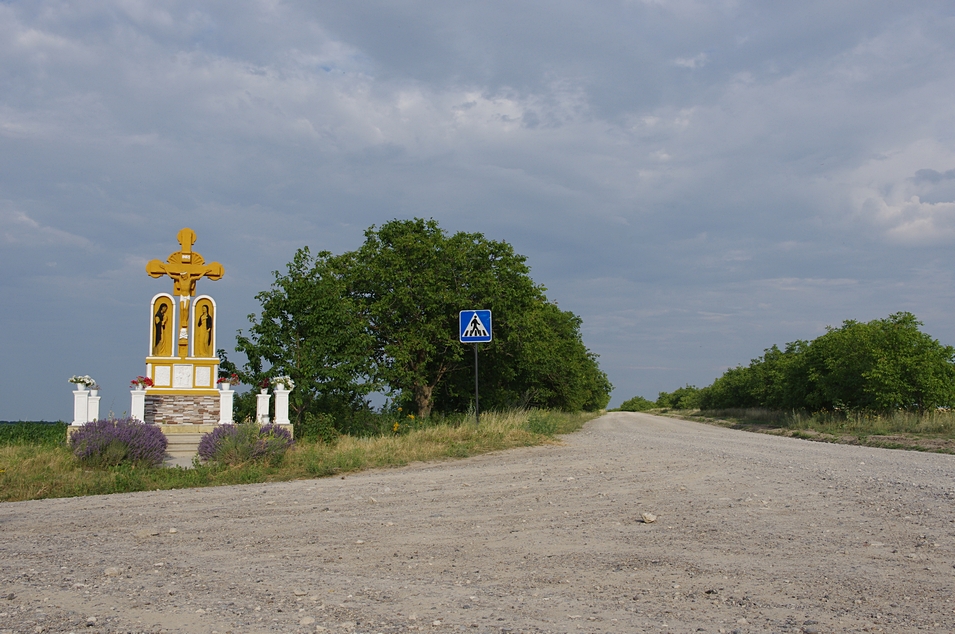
column 474, row 326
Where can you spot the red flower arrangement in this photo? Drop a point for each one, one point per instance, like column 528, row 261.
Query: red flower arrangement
column 232, row 379
column 141, row 382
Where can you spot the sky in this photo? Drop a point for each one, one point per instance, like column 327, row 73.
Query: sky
column 697, row 180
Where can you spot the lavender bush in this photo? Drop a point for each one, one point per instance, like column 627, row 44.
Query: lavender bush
column 111, row 441
column 211, row 442
column 245, row 442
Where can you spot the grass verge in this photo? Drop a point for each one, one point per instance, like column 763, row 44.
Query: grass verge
column 932, row 431
column 33, row 471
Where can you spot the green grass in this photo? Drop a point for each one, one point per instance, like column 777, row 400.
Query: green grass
column 30, row 471
column 901, row 422
column 32, row 433
column 927, row 431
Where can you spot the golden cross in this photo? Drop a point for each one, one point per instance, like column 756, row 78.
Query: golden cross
column 185, row 266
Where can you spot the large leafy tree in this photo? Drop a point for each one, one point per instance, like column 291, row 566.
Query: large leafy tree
column 310, row 330
column 883, row 364
column 410, row 280
column 537, row 358
column 386, row 315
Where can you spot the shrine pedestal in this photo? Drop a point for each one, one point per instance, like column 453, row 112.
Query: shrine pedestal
column 281, row 406
column 81, row 404
column 181, row 409
column 85, row 407
column 226, row 396
column 138, row 399
column 262, row 407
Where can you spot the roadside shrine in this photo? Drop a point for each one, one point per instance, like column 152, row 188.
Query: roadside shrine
column 180, row 390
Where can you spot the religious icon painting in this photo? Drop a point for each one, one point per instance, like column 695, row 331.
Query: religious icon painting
column 203, row 327
column 162, row 328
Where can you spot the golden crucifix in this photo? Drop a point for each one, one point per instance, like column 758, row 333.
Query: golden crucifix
column 185, row 267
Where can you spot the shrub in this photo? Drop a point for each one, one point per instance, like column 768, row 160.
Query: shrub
column 365, row 423
column 245, row 442
column 637, row 404
column 320, row 427
column 542, row 422
column 879, row 366
column 108, row 442
column 687, row 397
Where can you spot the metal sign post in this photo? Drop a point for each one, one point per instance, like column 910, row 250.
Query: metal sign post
column 474, row 326
column 477, row 406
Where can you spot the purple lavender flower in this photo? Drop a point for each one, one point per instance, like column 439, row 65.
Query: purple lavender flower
column 246, row 442
column 210, row 442
column 111, row 441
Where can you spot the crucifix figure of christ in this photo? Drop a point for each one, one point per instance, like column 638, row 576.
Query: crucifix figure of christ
column 185, row 267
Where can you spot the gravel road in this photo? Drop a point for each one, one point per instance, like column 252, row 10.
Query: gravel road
column 753, row 533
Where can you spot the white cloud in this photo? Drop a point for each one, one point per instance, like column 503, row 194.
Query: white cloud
column 697, row 61
column 913, row 221
column 20, row 230
column 805, row 285
column 887, row 194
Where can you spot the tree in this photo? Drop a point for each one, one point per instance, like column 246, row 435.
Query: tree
column 909, row 369
column 883, row 364
column 687, row 397
column 880, row 365
column 637, row 404
column 537, row 359
column 386, row 316
column 310, row 330
column 552, row 365
column 734, row 389
column 410, row 281
column 775, row 380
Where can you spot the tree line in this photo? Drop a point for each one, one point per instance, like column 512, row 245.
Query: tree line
column 385, row 318
column 881, row 365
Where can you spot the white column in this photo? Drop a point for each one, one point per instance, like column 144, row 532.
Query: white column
column 262, row 407
column 81, row 404
column 92, row 409
column 138, row 408
column 281, row 405
column 225, row 406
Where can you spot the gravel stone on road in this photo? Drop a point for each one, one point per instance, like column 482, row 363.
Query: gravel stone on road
column 752, row 533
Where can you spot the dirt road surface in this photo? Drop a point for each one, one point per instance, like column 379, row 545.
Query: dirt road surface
column 753, row 533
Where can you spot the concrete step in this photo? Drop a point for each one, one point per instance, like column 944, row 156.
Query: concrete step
column 182, row 445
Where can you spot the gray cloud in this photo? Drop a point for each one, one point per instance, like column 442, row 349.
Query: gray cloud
column 931, row 176
column 697, row 180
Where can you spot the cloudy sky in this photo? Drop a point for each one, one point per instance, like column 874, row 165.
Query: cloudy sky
column 698, row 180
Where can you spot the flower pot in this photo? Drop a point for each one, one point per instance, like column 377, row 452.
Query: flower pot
column 279, row 386
column 80, row 387
column 225, row 387
column 94, row 392
column 263, row 390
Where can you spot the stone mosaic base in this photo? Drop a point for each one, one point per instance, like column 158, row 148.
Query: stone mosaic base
column 182, row 410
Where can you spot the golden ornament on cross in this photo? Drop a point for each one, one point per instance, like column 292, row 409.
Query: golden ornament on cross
column 185, row 267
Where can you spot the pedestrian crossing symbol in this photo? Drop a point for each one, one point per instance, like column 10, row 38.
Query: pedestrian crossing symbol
column 474, row 326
